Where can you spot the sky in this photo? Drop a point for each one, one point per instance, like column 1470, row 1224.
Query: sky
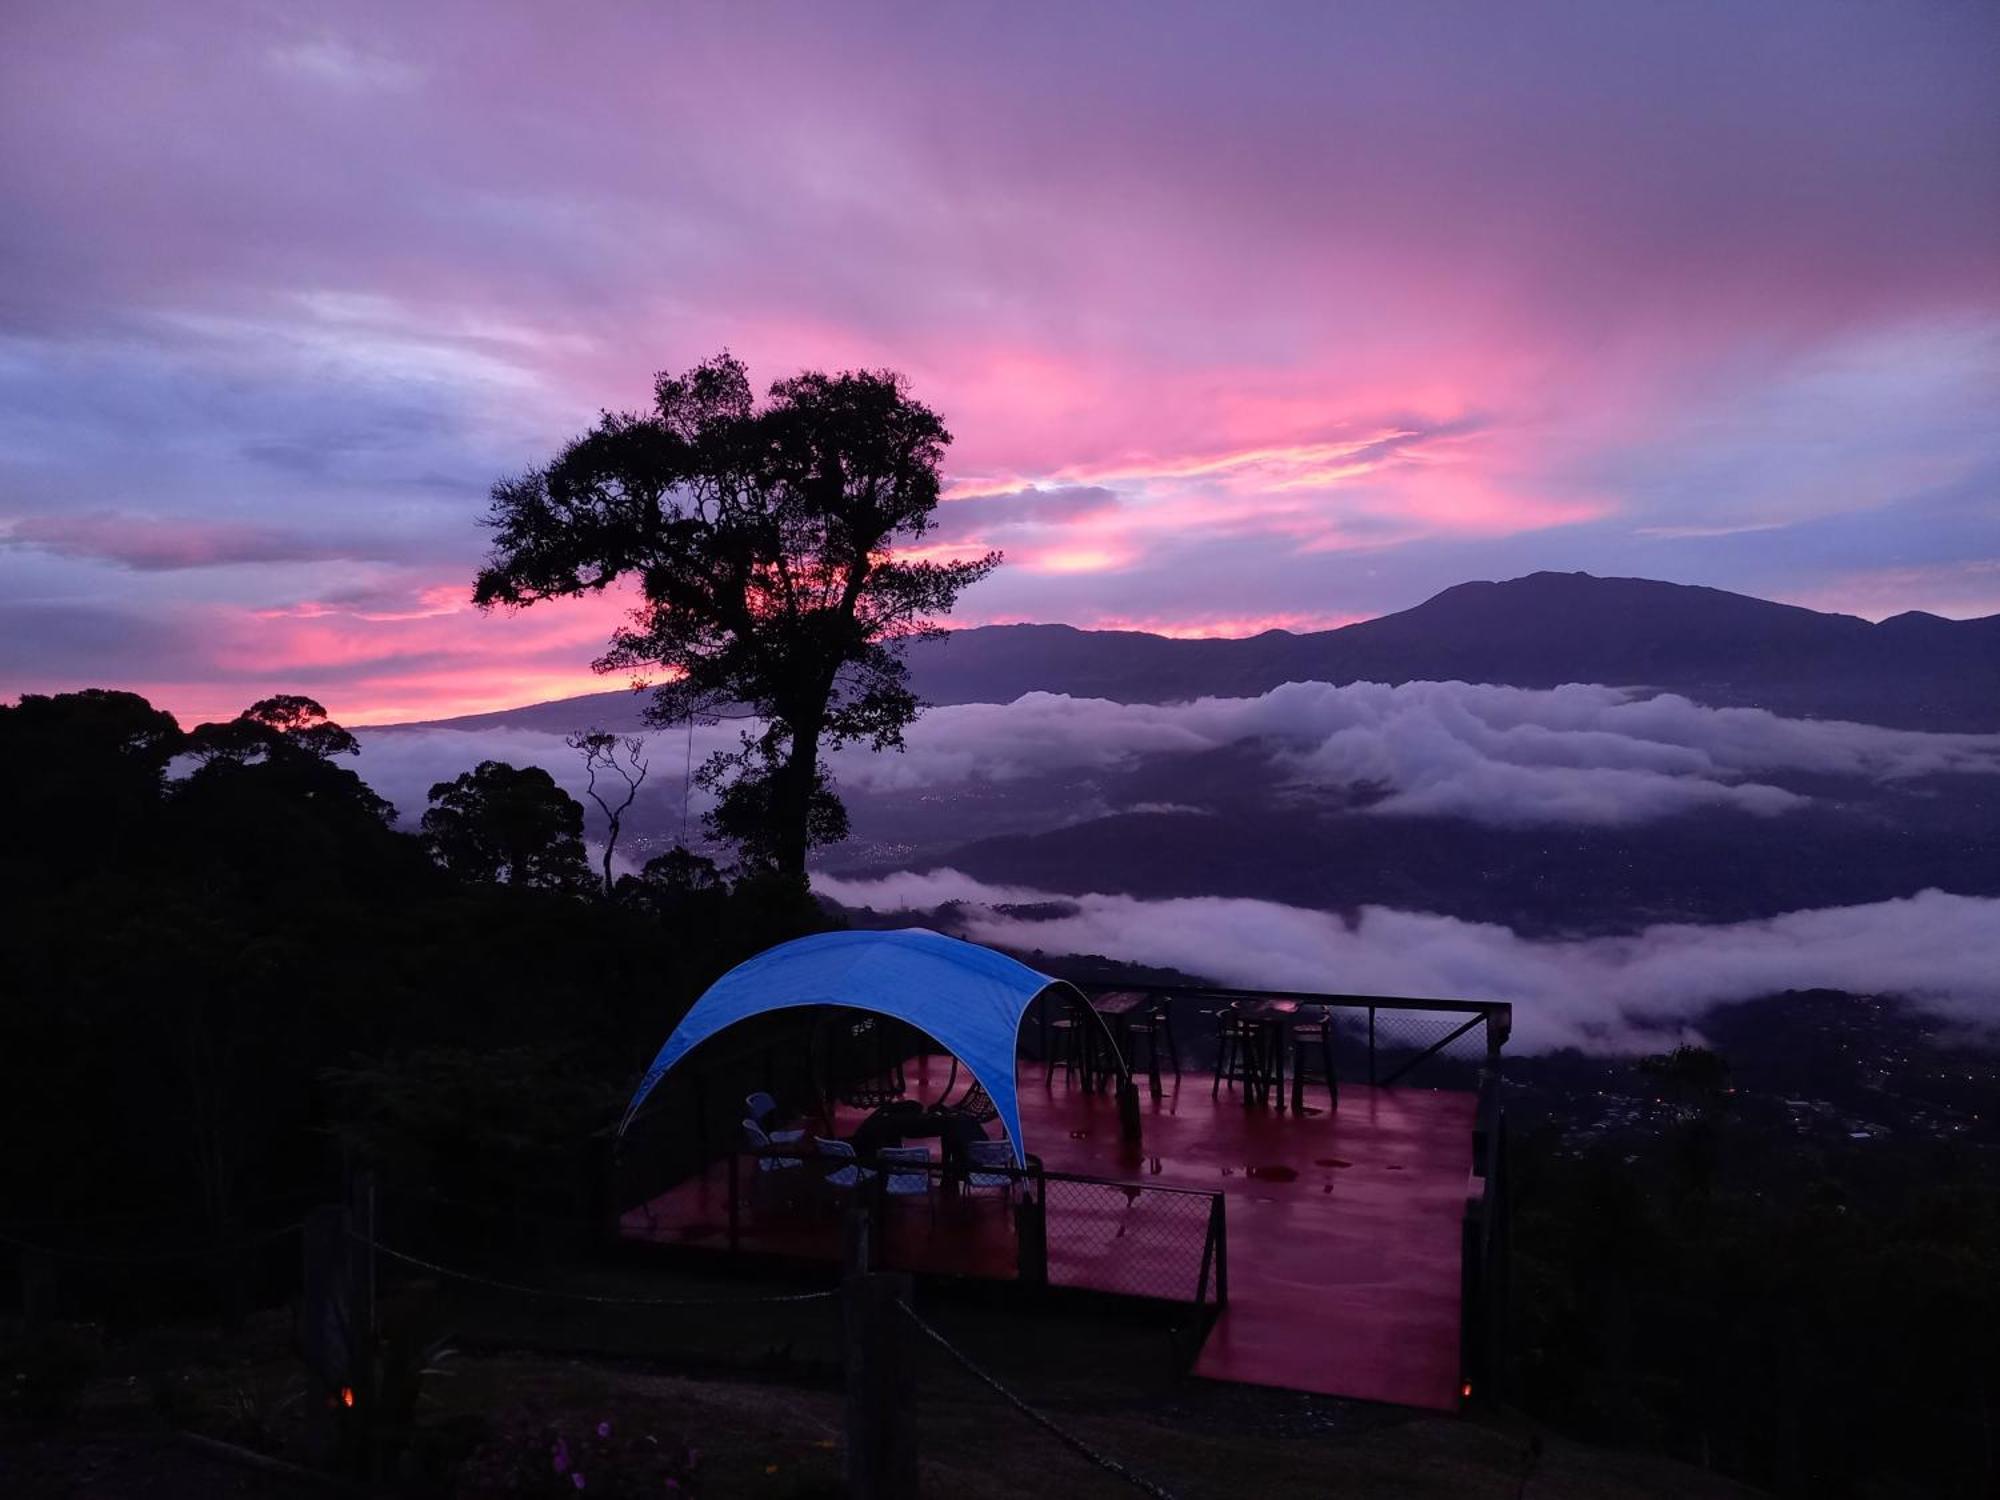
column 1241, row 316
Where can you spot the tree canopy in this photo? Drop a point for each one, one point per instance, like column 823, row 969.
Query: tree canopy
column 762, row 539
column 511, row 823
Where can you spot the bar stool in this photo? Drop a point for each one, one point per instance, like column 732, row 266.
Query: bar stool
column 1312, row 1031
column 1233, row 1044
column 1058, row 1037
column 1264, row 1057
column 1075, row 1043
column 1092, row 1052
column 1154, row 1025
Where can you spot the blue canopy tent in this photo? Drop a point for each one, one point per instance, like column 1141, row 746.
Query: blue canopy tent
column 968, row 999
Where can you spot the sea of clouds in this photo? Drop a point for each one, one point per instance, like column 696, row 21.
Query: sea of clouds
column 1940, row 952
column 1509, row 757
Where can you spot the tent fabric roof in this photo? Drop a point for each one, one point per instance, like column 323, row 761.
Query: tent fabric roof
column 967, row 998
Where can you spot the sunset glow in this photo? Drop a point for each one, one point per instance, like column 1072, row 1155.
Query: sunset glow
column 1286, row 318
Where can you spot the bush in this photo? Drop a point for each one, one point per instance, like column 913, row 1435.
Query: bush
column 52, row 1367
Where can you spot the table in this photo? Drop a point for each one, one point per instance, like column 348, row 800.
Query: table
column 1269, row 1022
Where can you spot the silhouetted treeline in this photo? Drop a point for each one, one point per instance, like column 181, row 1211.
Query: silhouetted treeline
column 226, row 969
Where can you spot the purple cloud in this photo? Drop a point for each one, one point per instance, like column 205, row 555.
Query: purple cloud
column 1287, row 314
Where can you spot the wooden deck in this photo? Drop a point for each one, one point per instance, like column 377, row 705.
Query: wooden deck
column 1343, row 1226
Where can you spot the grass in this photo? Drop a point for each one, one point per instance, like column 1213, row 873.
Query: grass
column 756, row 1387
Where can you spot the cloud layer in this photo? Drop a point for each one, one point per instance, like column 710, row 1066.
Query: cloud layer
column 1504, row 757
column 1602, row 994
column 1510, row 757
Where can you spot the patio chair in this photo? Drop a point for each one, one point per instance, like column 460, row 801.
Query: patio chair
column 852, row 1173
column 901, row 1184
column 764, row 1110
column 989, row 1164
column 760, row 1141
column 777, row 1177
column 974, row 1104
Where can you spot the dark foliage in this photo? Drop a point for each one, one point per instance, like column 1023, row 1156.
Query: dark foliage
column 502, row 822
column 1811, row 1317
column 228, row 976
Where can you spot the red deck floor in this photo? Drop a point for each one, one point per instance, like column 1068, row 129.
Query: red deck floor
column 1343, row 1280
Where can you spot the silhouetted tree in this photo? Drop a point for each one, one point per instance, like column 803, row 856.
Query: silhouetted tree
column 600, row 750
column 283, row 747
column 80, row 775
column 511, row 823
column 761, row 538
column 288, row 724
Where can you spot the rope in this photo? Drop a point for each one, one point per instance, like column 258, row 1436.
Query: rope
column 156, row 1257
column 687, row 782
column 1068, row 1439
column 542, row 1291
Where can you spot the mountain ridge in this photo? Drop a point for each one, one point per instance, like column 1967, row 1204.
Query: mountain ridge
column 1913, row 670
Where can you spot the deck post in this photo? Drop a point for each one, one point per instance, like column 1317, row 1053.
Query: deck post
column 881, row 1428
column 1129, row 1127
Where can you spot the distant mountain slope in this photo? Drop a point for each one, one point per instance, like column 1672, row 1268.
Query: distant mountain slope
column 1913, row 671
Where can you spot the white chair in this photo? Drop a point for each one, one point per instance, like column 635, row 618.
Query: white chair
column 764, row 1109
column 774, row 1182
column 989, row 1165
column 757, row 1140
column 853, row 1174
column 903, row 1184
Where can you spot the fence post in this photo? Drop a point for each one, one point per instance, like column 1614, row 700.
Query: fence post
column 1472, row 1300
column 1221, row 1212
column 881, row 1388
column 735, row 1202
column 361, row 1272
column 1371, row 1046
column 326, row 1332
column 1031, row 1230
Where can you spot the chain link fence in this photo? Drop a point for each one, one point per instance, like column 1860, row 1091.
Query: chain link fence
column 1135, row 1240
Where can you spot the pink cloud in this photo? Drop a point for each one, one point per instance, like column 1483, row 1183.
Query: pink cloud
column 1330, row 310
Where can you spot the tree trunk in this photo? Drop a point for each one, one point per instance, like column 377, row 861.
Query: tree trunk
column 794, row 801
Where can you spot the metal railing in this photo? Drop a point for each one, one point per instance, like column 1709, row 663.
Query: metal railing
column 1395, row 1034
